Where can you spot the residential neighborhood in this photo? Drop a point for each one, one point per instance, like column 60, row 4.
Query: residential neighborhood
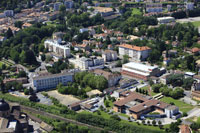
column 99, row 66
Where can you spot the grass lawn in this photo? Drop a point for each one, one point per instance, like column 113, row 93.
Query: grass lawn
column 184, row 107
column 136, row 11
column 196, row 23
column 103, row 114
column 124, row 115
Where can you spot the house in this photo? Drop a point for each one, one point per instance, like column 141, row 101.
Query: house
column 104, row 11
column 154, row 8
column 139, row 71
column 109, row 90
column 134, row 52
column 50, row 81
column 93, row 93
column 2, row 38
column 56, row 6
column 196, row 95
column 18, row 80
column 137, row 106
column 83, row 47
column 9, row 13
column 69, row 4
column 26, row 25
column 195, row 50
column 126, row 83
column 189, row 5
column 185, row 129
column 113, row 78
column 109, row 55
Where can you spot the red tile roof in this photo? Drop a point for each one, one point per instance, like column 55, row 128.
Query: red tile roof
column 137, row 48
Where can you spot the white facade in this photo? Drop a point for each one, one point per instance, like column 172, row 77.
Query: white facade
column 9, row 13
column 189, row 6
column 51, row 81
column 55, row 47
column 109, row 55
column 172, row 112
column 84, row 63
column 134, row 53
column 165, row 20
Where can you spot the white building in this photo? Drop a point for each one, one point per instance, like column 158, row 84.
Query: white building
column 84, row 63
column 139, row 71
column 69, row 4
column 134, row 52
column 109, row 55
column 189, row 6
column 50, row 81
column 56, row 6
column 172, row 112
column 55, row 47
column 154, row 8
column 165, row 20
column 9, row 13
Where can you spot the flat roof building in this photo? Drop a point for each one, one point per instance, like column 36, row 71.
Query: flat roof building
column 140, row 71
column 50, row 81
column 165, row 20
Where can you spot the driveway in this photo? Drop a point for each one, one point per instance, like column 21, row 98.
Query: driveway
column 192, row 113
column 189, row 100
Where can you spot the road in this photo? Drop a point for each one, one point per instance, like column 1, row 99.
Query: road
column 59, row 117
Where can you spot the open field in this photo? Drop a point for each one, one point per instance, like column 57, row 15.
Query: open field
column 64, row 99
column 136, row 11
column 196, row 24
column 182, row 106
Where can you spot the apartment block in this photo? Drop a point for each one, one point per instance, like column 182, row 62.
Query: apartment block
column 109, row 55
column 50, row 81
column 54, row 46
column 134, row 52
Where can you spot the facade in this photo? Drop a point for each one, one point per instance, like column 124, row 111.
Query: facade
column 69, row 4
column 109, row 55
column 140, row 71
column 154, row 8
column 189, row 6
column 57, row 48
column 113, row 78
column 172, row 112
column 50, row 81
column 137, row 105
column 84, row 63
column 134, row 52
column 165, row 20
column 9, row 13
column 56, row 6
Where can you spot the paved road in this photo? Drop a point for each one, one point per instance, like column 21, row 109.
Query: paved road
column 59, row 117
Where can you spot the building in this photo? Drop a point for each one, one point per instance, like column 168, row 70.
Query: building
column 154, row 8
column 18, row 80
column 109, row 55
column 54, row 46
column 172, row 112
column 112, row 78
column 56, row 6
column 134, row 52
column 50, row 81
column 2, row 38
column 84, row 63
column 69, row 4
column 104, row 11
column 12, row 120
column 185, row 129
column 165, row 20
column 196, row 95
column 9, row 13
column 138, row 106
column 189, row 5
column 140, row 71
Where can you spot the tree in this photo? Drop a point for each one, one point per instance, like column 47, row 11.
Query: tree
column 119, row 63
column 143, row 122
column 18, row 24
column 21, row 74
column 115, row 117
column 148, row 122
column 9, row 33
column 43, row 57
column 136, row 89
column 125, row 59
column 154, row 122
column 174, row 127
column 195, row 126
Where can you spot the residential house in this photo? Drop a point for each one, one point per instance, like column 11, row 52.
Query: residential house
column 134, row 52
column 83, row 47
column 113, row 78
column 2, row 38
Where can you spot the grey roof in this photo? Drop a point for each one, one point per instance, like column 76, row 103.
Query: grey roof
column 52, row 75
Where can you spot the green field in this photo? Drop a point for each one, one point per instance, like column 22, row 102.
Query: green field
column 184, row 107
column 136, row 11
column 196, row 23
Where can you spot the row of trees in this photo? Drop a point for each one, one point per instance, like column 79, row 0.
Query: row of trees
column 186, row 13
column 89, row 79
